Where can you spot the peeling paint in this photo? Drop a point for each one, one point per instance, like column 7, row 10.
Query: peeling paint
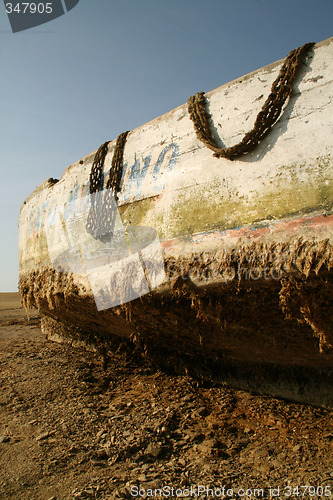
column 247, row 244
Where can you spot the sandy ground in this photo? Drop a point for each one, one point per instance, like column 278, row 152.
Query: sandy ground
column 73, row 428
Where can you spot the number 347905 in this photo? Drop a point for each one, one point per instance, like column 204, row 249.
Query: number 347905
column 29, row 8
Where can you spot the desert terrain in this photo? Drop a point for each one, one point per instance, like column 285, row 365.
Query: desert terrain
column 73, row 426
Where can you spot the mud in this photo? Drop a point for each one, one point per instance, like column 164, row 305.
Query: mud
column 259, row 316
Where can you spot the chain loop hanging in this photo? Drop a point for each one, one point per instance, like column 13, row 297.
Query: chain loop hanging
column 270, row 112
column 102, row 210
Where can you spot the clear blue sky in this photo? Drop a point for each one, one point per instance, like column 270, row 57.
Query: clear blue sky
column 112, row 65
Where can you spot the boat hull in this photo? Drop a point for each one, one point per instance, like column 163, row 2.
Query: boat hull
column 246, row 245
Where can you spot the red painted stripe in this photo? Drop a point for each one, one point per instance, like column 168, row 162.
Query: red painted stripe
column 251, row 231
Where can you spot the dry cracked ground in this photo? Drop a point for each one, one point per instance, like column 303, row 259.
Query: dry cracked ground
column 72, row 429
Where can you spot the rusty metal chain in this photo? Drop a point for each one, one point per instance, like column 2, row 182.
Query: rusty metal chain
column 103, row 207
column 96, row 174
column 280, row 91
column 117, row 165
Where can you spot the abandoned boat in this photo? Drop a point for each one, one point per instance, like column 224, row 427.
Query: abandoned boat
column 206, row 247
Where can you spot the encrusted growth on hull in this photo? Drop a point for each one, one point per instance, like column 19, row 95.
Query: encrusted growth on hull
column 256, row 260
column 278, row 326
column 310, row 304
column 296, row 275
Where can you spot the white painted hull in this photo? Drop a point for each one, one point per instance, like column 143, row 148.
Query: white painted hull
column 219, row 222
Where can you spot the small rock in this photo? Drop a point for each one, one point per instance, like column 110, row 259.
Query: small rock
column 100, row 434
column 181, row 443
column 97, row 463
column 4, row 439
column 207, row 446
column 153, row 449
column 296, row 448
column 151, row 485
column 87, row 493
column 260, row 453
column 193, row 435
column 201, row 412
column 44, row 435
column 101, row 455
column 186, row 398
column 120, row 474
column 264, row 469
